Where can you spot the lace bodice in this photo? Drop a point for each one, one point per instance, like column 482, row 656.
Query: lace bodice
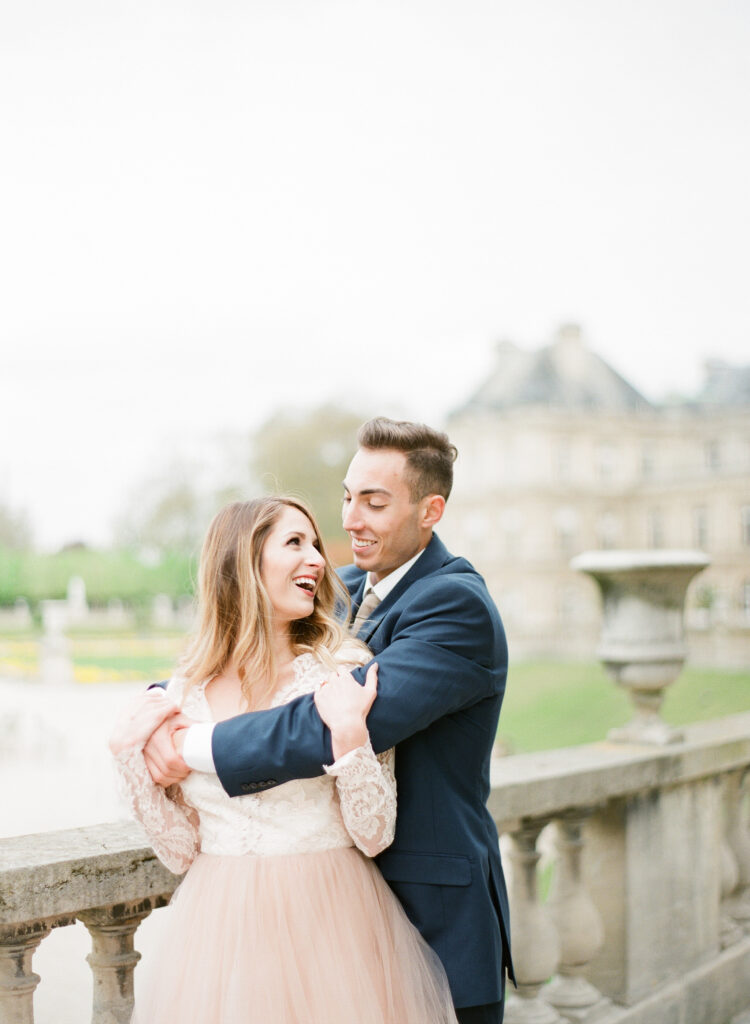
column 353, row 803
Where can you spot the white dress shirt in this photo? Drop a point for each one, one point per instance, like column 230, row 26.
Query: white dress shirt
column 197, row 752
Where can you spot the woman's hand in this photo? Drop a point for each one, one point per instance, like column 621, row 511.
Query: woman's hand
column 344, row 705
column 141, row 717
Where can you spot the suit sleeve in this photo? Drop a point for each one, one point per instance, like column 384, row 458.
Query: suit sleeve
column 447, row 652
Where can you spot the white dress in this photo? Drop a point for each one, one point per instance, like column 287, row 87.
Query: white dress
column 282, row 917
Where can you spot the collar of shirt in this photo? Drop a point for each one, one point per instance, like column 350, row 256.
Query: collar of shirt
column 383, row 587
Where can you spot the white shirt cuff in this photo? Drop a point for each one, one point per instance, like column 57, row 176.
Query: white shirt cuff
column 196, row 750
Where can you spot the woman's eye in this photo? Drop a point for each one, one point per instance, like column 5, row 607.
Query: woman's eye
column 293, row 540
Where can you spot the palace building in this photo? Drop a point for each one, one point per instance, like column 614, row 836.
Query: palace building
column 559, row 454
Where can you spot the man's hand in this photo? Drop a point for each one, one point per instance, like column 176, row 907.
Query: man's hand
column 344, row 705
column 163, row 752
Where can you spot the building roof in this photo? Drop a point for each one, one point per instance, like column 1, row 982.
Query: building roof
column 725, row 385
column 563, row 375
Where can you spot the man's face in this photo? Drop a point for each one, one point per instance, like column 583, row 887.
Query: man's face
column 385, row 526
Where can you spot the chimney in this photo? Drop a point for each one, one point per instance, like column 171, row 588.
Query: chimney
column 569, row 350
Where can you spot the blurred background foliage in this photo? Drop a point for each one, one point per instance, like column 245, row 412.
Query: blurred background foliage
column 157, row 536
column 108, row 575
column 308, row 456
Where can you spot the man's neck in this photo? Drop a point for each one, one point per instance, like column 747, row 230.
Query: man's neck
column 385, row 584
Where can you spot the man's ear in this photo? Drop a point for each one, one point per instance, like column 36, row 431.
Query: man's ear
column 433, row 507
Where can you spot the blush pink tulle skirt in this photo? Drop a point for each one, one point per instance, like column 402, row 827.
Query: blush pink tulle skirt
column 314, row 938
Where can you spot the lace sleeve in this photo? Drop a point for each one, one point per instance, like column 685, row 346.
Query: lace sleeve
column 366, row 787
column 170, row 827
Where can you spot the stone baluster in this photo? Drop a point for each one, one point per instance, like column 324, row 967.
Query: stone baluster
column 736, row 799
column 579, row 926
column 536, row 948
column 113, row 959
column 17, row 980
column 729, row 931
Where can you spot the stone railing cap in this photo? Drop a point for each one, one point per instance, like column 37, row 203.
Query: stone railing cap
column 548, row 782
column 54, row 874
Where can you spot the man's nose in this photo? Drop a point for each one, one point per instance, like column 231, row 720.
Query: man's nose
column 350, row 517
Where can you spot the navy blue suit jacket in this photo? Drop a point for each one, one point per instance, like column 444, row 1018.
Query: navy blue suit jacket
column 442, row 659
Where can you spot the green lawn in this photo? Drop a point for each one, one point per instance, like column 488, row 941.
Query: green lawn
column 560, row 704
column 547, row 704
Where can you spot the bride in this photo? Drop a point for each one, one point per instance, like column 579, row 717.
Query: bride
column 282, row 918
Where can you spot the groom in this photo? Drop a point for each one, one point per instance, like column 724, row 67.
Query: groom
column 442, row 657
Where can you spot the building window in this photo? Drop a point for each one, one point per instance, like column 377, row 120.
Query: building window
column 511, row 522
column 608, row 531
column 566, row 525
column 745, row 520
column 745, row 599
column 713, row 455
column 563, row 461
column 476, row 527
column 655, row 528
column 510, row 603
column 568, row 612
column 700, row 527
column 648, row 462
column 606, row 461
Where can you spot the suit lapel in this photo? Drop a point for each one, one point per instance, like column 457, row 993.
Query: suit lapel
column 356, row 596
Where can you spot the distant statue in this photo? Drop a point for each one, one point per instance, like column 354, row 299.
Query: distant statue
column 78, row 608
column 56, row 664
column 162, row 612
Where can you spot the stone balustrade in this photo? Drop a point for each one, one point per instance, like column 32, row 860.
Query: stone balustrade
column 105, row 876
column 645, row 851
column 648, row 915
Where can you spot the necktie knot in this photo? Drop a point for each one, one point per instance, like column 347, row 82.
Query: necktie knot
column 365, row 610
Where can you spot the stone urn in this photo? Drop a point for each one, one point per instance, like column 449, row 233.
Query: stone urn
column 642, row 642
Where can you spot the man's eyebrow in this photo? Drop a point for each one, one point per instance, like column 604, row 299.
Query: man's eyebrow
column 372, row 490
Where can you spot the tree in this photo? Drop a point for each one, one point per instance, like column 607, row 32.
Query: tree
column 15, row 532
column 166, row 513
column 307, row 455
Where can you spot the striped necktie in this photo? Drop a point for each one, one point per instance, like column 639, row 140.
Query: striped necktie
column 365, row 610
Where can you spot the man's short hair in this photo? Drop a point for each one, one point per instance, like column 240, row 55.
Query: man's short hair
column 429, row 453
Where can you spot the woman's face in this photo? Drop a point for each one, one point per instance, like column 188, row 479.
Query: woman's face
column 291, row 566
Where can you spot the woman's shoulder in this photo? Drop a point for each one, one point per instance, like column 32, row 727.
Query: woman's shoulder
column 352, row 652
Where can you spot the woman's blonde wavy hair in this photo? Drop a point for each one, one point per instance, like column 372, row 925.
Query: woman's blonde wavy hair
column 235, row 612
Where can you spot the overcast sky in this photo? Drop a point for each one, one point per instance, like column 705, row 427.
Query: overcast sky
column 212, row 210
